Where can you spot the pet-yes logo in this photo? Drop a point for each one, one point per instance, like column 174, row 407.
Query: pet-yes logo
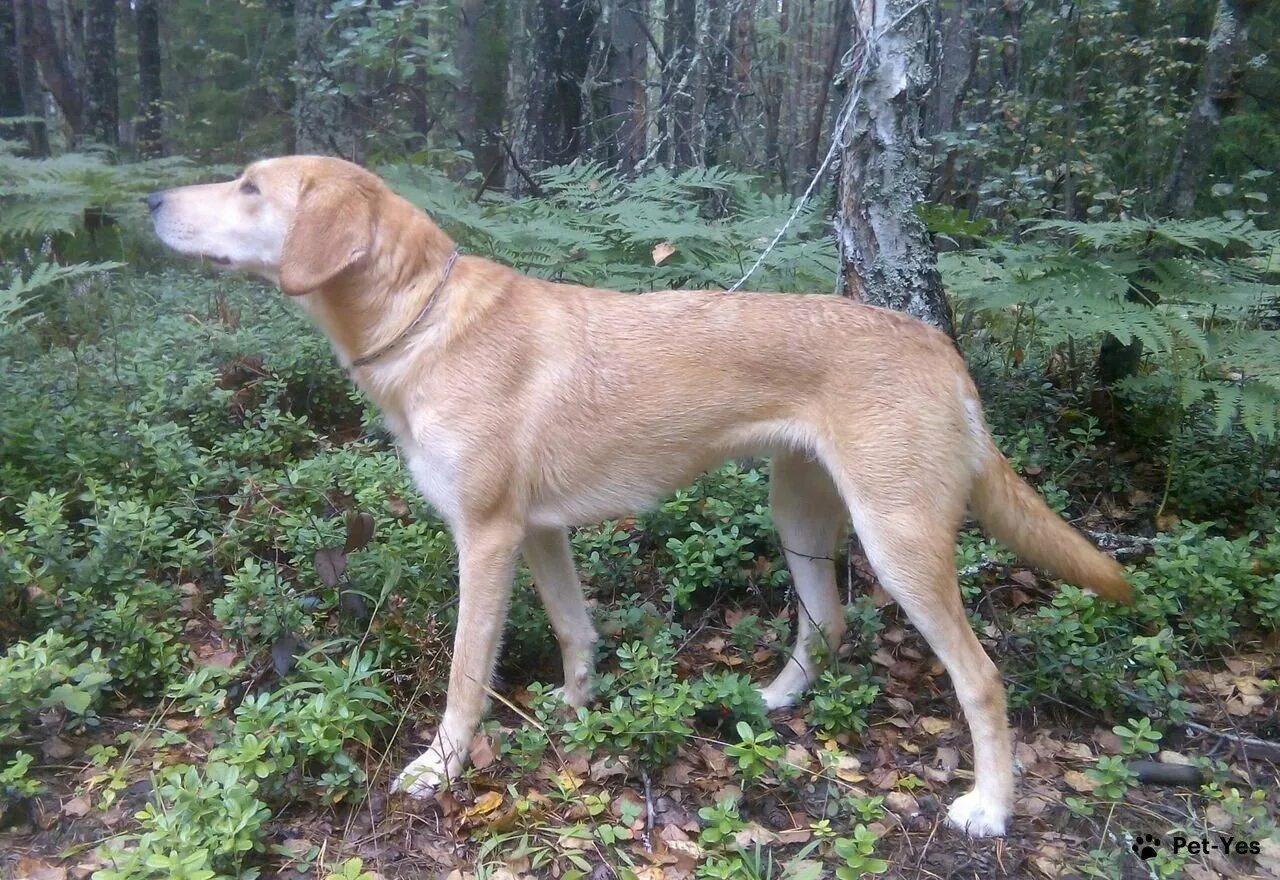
column 1147, row 846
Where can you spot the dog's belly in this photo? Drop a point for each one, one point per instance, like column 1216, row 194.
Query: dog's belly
column 643, row 471
column 589, row 504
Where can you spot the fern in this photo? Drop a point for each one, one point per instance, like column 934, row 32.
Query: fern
column 1194, row 292
column 40, row 197
column 16, row 296
column 593, row 226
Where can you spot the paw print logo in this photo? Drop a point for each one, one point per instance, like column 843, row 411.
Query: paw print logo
column 1145, row 846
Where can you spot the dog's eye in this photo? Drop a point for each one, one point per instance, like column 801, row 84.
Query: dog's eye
column 248, row 189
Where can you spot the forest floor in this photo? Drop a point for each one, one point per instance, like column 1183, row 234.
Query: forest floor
column 916, row 754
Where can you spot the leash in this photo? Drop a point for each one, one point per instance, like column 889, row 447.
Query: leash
column 365, row 360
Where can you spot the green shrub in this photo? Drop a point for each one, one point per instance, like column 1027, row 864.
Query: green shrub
column 50, row 671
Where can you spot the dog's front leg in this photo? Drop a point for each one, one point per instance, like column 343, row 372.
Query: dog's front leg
column 551, row 560
column 487, row 555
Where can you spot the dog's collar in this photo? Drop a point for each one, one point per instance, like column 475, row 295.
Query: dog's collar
column 365, row 360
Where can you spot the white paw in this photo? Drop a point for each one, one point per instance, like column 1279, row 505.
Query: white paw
column 978, row 816
column 424, row 778
column 578, row 691
column 779, row 697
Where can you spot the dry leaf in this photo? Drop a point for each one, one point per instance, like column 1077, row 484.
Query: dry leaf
column 1079, row 781
column 934, row 726
column 77, row 807
column 482, row 751
column 38, row 869
column 486, row 803
column 662, row 252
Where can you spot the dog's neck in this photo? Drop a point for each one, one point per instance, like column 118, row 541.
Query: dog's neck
column 369, row 306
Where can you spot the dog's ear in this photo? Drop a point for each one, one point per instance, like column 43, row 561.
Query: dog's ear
column 332, row 232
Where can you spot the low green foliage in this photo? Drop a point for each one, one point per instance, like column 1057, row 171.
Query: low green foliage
column 179, row 453
column 51, row 671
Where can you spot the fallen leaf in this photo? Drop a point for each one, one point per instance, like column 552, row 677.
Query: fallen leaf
column 662, row 252
column 486, row 803
column 609, row 766
column 359, row 531
column 57, row 749
column 884, row 779
column 934, row 726
column 481, row 751
column 38, row 869
column 330, row 563
column 1268, row 858
column 1079, row 781
column 77, row 807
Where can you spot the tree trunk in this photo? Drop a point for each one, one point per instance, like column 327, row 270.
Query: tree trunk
column 150, row 106
column 321, row 115
column 552, row 132
column 102, row 86
column 886, row 258
column 1217, row 96
column 680, row 39
column 628, row 65
column 482, row 58
column 10, row 87
column 54, row 57
column 28, row 76
column 839, row 31
column 955, row 68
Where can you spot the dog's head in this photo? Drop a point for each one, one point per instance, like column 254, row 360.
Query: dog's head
column 300, row 221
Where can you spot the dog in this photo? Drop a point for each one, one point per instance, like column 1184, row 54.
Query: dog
column 523, row 407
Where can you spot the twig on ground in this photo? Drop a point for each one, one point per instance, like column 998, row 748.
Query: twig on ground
column 1261, row 748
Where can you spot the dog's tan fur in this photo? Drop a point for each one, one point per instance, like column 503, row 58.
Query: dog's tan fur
column 523, row 407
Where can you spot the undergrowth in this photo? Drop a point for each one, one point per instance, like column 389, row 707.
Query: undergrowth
column 182, row 463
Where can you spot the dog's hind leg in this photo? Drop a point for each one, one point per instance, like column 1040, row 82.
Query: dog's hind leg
column 550, row 559
column 487, row 555
column 907, row 521
column 810, row 517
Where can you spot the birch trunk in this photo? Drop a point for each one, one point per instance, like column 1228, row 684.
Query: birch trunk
column 1215, row 99
column 886, row 257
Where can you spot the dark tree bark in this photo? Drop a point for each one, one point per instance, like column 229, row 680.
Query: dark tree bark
column 886, row 257
column 482, row 59
column 1215, row 99
column 628, row 63
column 27, row 75
column 102, row 85
column 955, row 66
column 552, row 133
column 838, row 38
column 10, row 88
column 150, row 98
column 774, row 87
column 680, row 40
column 54, row 58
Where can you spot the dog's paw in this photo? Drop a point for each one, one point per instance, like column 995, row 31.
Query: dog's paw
column 424, row 778
column 978, row 816
column 775, row 697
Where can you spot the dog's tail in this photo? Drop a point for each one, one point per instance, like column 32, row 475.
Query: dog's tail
column 1015, row 515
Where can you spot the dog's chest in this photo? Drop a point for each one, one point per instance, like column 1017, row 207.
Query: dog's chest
column 433, row 456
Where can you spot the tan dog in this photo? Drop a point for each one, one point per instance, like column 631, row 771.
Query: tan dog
column 523, row 407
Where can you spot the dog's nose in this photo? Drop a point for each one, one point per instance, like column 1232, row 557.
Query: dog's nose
column 154, row 201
